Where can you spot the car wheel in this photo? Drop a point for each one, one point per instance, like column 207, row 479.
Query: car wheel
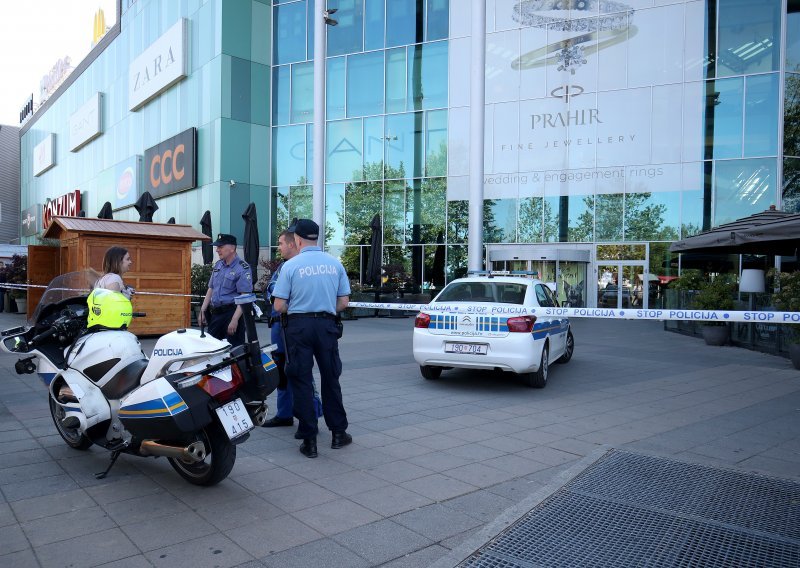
column 538, row 380
column 430, row 373
column 568, row 349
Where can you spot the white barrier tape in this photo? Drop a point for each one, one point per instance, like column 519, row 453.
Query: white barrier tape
column 85, row 290
column 686, row 314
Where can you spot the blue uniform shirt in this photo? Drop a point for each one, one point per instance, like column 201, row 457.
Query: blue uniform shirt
column 271, row 287
column 229, row 280
column 314, row 280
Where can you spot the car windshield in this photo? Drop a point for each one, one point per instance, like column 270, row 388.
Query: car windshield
column 497, row 292
column 64, row 287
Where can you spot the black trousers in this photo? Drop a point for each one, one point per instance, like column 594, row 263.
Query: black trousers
column 307, row 340
column 218, row 325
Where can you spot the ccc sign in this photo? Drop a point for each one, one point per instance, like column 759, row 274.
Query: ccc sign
column 164, row 167
column 171, row 165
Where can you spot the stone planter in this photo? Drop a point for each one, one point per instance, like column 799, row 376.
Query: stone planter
column 794, row 354
column 716, row 334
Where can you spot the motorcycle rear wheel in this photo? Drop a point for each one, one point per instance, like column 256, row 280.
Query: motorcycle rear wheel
column 220, row 457
column 72, row 436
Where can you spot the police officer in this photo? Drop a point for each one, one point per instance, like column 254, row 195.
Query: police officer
column 312, row 288
column 284, row 413
column 230, row 277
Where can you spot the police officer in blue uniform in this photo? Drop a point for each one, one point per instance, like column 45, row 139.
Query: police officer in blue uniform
column 312, row 289
column 284, row 407
column 230, row 277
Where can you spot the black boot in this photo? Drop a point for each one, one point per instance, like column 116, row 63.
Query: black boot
column 309, row 448
column 340, row 439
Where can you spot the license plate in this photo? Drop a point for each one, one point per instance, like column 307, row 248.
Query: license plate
column 467, row 348
column 234, row 418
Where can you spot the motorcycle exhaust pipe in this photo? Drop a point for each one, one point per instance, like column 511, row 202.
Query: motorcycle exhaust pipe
column 258, row 413
column 194, row 452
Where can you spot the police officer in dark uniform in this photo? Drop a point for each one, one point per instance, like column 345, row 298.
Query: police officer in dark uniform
column 284, row 415
column 312, row 289
column 231, row 276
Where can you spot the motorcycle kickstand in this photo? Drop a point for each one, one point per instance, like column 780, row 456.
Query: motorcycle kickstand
column 114, row 455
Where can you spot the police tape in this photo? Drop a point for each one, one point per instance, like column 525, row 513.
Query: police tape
column 671, row 314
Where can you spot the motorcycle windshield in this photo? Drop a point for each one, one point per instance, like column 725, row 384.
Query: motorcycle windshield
column 63, row 287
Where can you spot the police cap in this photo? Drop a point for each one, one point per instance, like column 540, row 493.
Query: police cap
column 223, row 239
column 306, row 229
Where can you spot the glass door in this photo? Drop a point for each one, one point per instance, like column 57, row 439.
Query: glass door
column 622, row 285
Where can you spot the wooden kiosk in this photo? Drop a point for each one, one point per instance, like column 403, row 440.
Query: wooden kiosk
column 162, row 262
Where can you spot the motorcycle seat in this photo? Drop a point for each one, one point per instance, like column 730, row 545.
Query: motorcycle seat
column 125, row 380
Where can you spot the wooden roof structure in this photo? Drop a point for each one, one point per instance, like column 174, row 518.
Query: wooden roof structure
column 91, row 226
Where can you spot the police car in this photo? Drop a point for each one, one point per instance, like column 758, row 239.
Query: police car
column 493, row 321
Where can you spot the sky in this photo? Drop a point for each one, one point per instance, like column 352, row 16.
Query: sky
column 34, row 34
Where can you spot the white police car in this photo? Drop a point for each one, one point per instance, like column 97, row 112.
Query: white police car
column 493, row 322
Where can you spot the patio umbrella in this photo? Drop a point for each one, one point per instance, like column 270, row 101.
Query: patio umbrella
column 146, row 206
column 251, row 244
column 171, row 221
column 769, row 232
column 105, row 211
column 373, row 273
column 205, row 228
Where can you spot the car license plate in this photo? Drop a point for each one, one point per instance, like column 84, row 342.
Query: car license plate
column 234, row 418
column 467, row 348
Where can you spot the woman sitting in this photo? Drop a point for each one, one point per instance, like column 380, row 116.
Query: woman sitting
column 116, row 262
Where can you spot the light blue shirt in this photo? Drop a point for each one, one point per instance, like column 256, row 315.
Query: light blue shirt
column 312, row 281
column 229, row 280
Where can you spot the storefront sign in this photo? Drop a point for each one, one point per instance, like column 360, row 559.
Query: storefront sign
column 30, row 221
column 159, row 66
column 27, row 110
column 44, row 155
column 172, row 165
column 127, row 176
column 54, row 78
column 86, row 123
column 68, row 205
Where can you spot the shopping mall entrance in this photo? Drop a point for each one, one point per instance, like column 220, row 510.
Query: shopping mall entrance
column 564, row 269
column 615, row 276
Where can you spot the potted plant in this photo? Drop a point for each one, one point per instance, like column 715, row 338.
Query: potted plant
column 201, row 274
column 787, row 299
column 719, row 294
column 16, row 272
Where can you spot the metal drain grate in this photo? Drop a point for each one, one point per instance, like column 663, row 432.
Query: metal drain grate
column 633, row 510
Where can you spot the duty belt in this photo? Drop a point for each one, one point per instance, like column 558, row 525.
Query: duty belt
column 323, row 315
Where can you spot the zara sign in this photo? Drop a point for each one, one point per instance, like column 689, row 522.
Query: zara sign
column 160, row 66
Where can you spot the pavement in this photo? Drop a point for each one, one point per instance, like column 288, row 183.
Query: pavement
column 433, row 463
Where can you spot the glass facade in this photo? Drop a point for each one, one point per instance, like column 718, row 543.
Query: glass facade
column 616, row 123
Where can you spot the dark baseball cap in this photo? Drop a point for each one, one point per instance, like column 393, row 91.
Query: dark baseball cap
column 223, row 239
column 306, row 229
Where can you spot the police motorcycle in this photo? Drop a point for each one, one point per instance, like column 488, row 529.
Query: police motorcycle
column 192, row 402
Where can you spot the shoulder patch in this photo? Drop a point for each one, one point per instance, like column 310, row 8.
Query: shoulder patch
column 244, row 264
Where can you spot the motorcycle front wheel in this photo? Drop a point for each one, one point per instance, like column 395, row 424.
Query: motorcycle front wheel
column 72, row 436
column 220, row 457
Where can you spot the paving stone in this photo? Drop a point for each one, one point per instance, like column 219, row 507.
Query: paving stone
column 272, row 535
column 12, row 539
column 351, row 483
column 391, row 500
column 227, row 515
column 37, row 507
column 436, row 521
column 382, row 541
column 21, row 559
column 425, row 557
column 113, row 490
column 165, row 531
column 105, row 547
column 66, row 526
column 214, row 551
column 147, row 507
column 483, row 505
column 299, row 497
column 336, row 516
column 438, row 487
column 38, row 487
column 305, row 555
